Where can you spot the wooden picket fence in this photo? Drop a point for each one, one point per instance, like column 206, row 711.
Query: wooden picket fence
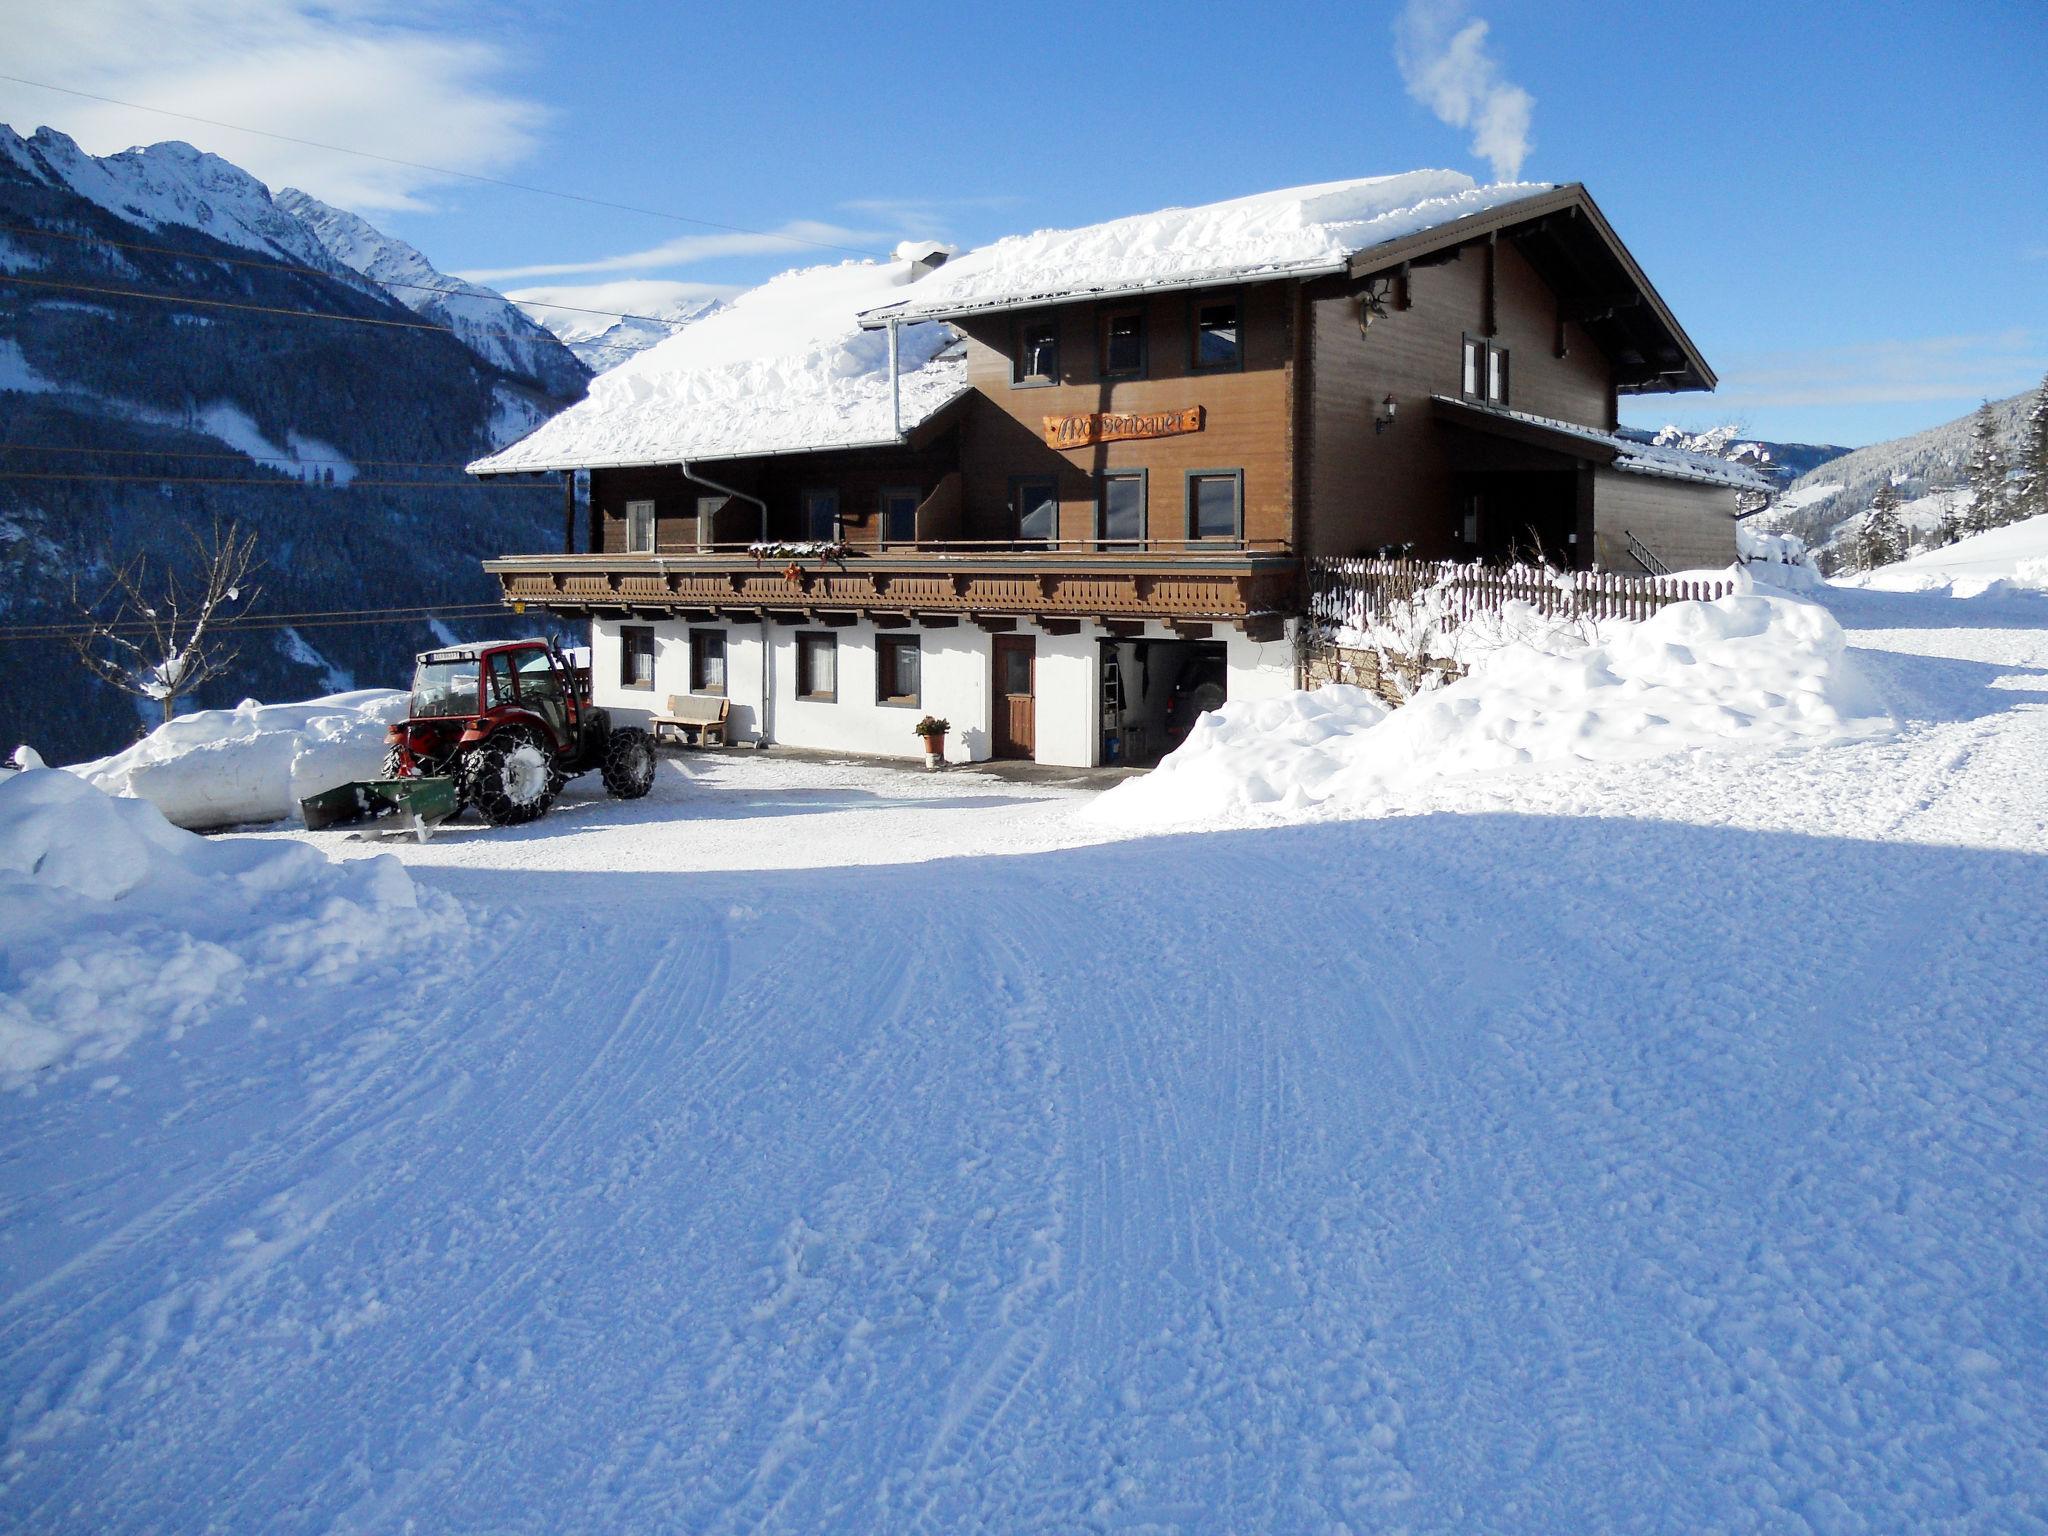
column 1356, row 593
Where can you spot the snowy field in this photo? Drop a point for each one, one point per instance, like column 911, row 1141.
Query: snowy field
column 1617, row 1145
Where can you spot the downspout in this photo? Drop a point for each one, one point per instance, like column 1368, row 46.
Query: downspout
column 695, row 478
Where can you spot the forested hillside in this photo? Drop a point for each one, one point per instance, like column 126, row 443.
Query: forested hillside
column 170, row 357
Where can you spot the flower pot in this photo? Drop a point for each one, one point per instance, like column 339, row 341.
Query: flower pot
column 934, row 753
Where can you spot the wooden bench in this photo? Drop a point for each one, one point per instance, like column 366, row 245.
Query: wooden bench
column 693, row 718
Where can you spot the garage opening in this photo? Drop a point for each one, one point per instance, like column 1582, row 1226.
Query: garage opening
column 1152, row 693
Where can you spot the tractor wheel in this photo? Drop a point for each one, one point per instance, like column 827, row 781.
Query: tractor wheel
column 628, row 764
column 508, row 779
column 394, row 763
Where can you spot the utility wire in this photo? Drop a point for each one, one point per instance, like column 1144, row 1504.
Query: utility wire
column 345, row 273
column 261, row 309
column 260, row 625
column 281, row 484
column 270, row 309
column 441, row 170
column 180, row 453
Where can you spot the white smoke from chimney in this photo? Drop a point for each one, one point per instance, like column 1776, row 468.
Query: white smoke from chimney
column 1446, row 66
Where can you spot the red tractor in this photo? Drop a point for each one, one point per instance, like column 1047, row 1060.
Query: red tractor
column 511, row 722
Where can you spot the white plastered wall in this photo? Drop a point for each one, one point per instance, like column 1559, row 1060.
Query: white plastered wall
column 955, row 684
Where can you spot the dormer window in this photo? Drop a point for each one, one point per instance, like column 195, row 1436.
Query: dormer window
column 1038, row 351
column 1123, row 344
column 1217, row 344
column 1484, row 375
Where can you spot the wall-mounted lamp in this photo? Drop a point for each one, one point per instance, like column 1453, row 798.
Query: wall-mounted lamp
column 1385, row 420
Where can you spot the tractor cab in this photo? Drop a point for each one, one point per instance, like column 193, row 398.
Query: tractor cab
column 499, row 681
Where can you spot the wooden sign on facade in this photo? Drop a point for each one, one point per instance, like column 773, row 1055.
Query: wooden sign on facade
column 1088, row 428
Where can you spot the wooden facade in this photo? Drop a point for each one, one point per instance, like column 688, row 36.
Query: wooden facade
column 1329, row 422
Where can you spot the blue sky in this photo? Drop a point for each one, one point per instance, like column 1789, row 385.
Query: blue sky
column 1851, row 220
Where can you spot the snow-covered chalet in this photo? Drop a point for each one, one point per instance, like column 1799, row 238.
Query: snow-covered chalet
column 1059, row 490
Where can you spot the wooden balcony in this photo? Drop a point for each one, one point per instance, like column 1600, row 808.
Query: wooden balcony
column 1055, row 587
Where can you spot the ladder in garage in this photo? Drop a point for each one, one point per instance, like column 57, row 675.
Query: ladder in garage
column 1112, row 703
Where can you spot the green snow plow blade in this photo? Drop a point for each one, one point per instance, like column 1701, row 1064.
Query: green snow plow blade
column 394, row 807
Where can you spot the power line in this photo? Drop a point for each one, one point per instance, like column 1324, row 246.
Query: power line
column 261, row 624
column 287, row 266
column 181, row 453
column 281, row 484
column 441, row 170
column 261, row 309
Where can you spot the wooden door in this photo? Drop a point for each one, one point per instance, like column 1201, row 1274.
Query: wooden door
column 1015, row 729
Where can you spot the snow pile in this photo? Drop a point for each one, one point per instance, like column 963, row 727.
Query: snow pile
column 1781, row 559
column 253, row 763
column 114, row 923
column 784, row 366
column 1995, row 563
column 1741, row 673
column 1293, row 231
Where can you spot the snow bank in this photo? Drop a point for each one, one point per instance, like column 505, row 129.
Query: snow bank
column 114, row 923
column 1996, row 563
column 1742, row 673
column 253, row 763
column 1780, row 559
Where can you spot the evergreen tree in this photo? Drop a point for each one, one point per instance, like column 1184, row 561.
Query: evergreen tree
column 1985, row 473
column 2031, row 495
column 1883, row 537
column 1950, row 528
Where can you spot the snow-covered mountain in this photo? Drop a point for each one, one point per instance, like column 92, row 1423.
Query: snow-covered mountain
column 604, row 341
column 1782, row 463
column 489, row 324
column 176, row 359
column 1821, row 502
column 169, row 184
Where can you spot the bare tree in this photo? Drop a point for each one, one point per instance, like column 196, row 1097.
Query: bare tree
column 153, row 628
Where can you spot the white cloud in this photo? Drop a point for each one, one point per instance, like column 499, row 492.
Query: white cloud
column 828, row 242
column 1446, row 66
column 1928, row 369
column 412, row 82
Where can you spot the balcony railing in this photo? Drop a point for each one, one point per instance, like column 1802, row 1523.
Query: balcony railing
column 995, row 583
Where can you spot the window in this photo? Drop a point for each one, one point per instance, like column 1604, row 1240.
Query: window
column 897, row 664
column 500, row 673
column 1120, row 509
column 639, row 527
column 1036, row 504
column 708, row 508
column 1038, row 352
column 899, row 515
column 1216, row 335
column 1122, row 342
column 821, row 516
column 707, row 661
column 1216, row 504
column 817, row 667
column 636, row 656
column 1484, row 371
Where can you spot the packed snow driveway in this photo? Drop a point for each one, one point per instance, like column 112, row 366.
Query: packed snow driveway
column 1567, row 1164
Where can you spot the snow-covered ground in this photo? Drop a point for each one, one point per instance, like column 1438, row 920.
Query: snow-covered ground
column 2000, row 561
column 1651, row 1144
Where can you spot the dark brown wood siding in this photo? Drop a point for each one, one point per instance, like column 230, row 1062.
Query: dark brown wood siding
column 1366, row 488
column 1687, row 526
column 859, row 478
column 1247, row 420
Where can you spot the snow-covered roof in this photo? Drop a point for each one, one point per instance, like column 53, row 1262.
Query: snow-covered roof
column 1294, row 232
column 1631, row 457
column 784, row 368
